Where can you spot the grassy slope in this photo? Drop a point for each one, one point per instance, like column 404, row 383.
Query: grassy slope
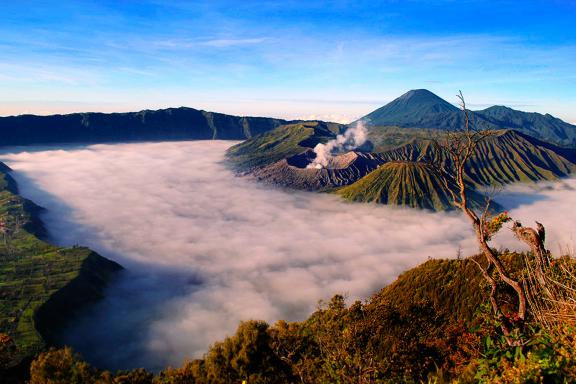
column 33, row 271
column 443, row 282
column 408, row 184
column 506, row 157
column 452, row 286
column 278, row 144
column 512, row 156
column 405, row 331
column 400, row 183
column 385, row 138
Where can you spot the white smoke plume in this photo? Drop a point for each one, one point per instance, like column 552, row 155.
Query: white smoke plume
column 352, row 138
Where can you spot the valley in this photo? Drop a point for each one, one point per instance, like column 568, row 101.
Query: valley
column 203, row 254
column 196, row 282
column 197, row 223
column 287, row 192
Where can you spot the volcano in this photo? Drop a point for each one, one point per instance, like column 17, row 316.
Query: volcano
column 421, row 108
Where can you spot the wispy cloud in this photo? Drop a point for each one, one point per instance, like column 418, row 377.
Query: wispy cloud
column 224, row 43
column 186, row 44
column 34, row 73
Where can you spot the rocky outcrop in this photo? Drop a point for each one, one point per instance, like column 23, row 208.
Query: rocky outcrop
column 342, row 170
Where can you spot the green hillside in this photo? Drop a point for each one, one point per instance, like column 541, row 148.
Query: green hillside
column 506, row 157
column 545, row 127
column 385, row 138
column 428, row 324
column 280, row 156
column 40, row 284
column 444, row 284
column 280, row 143
column 405, row 183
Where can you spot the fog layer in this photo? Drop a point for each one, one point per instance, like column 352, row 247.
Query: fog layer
column 204, row 249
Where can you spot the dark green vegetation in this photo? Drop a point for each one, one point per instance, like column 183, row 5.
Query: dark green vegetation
column 40, row 285
column 422, row 109
column 405, row 183
column 504, row 157
column 165, row 124
column 280, row 143
column 429, row 326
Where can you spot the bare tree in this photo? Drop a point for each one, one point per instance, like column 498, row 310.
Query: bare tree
column 457, row 147
column 550, row 284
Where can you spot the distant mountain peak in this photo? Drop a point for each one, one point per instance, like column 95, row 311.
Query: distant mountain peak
column 410, row 108
column 420, row 93
column 420, row 108
column 422, row 96
column 498, row 107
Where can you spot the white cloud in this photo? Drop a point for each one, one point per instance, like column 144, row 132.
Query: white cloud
column 224, row 43
column 204, row 249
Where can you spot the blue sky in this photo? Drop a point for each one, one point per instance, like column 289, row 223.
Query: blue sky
column 335, row 60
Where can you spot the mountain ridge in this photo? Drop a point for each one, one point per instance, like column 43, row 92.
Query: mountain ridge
column 423, row 109
column 181, row 123
column 505, row 157
column 418, row 108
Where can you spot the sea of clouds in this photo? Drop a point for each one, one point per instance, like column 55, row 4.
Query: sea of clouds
column 204, row 249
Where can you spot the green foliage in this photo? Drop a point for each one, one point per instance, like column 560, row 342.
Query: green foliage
column 494, row 224
column 63, row 366
column 548, row 358
column 246, row 356
column 7, row 351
